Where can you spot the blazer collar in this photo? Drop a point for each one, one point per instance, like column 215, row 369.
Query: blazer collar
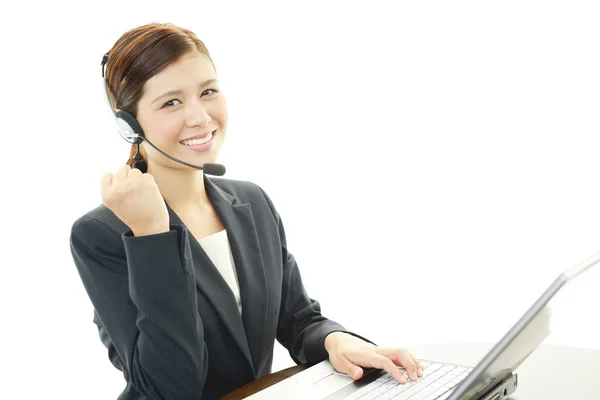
column 248, row 330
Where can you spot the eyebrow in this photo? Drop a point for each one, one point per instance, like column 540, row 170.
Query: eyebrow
column 179, row 91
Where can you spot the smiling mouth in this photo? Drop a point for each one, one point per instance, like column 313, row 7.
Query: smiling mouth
column 196, row 142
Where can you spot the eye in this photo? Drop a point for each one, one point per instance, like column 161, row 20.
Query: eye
column 214, row 90
column 169, row 103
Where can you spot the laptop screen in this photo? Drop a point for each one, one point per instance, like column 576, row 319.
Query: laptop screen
column 522, row 339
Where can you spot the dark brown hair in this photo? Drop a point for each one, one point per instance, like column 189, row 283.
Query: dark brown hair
column 141, row 53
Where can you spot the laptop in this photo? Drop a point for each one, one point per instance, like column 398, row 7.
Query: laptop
column 492, row 378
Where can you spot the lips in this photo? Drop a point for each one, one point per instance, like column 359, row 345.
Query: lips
column 200, row 136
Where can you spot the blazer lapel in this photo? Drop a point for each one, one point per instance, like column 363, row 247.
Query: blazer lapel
column 237, row 218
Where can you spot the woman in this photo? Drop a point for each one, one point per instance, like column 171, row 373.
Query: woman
column 190, row 277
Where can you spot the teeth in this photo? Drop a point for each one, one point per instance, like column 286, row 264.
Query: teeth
column 195, row 142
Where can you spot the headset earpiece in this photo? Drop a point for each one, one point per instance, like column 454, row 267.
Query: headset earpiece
column 129, row 127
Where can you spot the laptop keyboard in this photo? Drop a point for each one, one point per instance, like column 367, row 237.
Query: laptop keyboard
column 435, row 384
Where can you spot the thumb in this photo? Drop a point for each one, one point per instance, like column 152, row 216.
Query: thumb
column 346, row 366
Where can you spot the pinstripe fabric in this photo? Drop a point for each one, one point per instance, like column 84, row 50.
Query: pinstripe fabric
column 169, row 320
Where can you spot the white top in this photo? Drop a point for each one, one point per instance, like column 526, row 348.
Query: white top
column 218, row 250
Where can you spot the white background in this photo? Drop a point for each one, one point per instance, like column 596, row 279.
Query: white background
column 435, row 163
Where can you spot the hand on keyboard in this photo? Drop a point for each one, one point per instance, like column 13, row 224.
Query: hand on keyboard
column 436, row 384
column 348, row 354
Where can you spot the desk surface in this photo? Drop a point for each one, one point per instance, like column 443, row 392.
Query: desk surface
column 551, row 372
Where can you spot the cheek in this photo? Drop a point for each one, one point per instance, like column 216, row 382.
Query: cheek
column 220, row 112
column 165, row 129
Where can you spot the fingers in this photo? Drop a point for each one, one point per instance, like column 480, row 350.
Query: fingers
column 121, row 173
column 109, row 180
column 418, row 363
column 403, row 358
column 373, row 359
column 345, row 366
column 134, row 172
column 383, row 362
column 105, row 192
column 105, row 182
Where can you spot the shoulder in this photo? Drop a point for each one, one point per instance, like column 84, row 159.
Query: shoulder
column 236, row 187
column 99, row 223
column 243, row 190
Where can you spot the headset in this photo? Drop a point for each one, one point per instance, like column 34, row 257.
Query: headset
column 132, row 132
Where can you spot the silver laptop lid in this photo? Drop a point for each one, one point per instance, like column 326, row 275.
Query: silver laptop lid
column 519, row 342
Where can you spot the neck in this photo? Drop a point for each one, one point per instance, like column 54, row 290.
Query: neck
column 181, row 189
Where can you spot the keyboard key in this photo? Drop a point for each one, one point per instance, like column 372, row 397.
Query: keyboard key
column 437, row 380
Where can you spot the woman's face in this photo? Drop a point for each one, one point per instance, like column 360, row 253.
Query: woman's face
column 183, row 112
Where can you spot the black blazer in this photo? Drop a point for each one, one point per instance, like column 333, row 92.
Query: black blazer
column 168, row 318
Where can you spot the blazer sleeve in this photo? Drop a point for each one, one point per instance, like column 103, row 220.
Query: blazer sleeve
column 302, row 328
column 147, row 305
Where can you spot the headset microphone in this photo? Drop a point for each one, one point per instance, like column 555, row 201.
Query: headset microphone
column 132, row 132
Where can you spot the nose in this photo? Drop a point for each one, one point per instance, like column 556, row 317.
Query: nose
column 197, row 114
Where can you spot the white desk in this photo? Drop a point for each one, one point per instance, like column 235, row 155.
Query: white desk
column 550, row 373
